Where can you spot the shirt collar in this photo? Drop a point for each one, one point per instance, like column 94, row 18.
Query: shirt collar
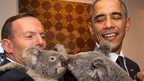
column 12, row 60
column 114, row 56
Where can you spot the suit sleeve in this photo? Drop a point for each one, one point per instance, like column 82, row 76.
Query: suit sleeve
column 14, row 75
column 133, row 68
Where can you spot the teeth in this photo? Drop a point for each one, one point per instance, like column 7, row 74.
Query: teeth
column 109, row 35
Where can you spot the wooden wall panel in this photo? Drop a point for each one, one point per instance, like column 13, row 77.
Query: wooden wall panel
column 64, row 22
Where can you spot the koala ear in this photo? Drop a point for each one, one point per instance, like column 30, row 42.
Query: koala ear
column 61, row 49
column 105, row 49
column 31, row 54
column 99, row 70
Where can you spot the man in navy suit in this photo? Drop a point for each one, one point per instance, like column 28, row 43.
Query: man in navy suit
column 19, row 32
column 109, row 22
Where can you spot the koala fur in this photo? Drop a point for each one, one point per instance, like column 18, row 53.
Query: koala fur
column 41, row 65
column 96, row 66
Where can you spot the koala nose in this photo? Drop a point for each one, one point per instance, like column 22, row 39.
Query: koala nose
column 63, row 60
column 69, row 60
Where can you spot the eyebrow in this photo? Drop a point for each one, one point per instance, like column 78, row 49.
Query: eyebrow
column 117, row 13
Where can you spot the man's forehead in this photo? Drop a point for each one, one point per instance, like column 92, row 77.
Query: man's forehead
column 107, row 6
column 27, row 23
column 100, row 2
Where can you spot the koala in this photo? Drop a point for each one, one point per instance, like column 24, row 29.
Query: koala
column 42, row 65
column 96, row 66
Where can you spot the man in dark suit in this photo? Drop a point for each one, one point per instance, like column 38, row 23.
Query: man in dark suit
column 19, row 32
column 109, row 23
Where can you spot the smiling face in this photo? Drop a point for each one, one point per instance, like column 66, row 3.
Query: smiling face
column 109, row 23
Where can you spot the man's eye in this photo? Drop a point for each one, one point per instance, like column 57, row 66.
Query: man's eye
column 116, row 16
column 28, row 36
column 43, row 36
column 99, row 19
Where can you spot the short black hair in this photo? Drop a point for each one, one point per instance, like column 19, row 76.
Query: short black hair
column 6, row 32
column 121, row 2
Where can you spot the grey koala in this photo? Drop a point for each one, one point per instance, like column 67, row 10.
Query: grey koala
column 42, row 65
column 96, row 66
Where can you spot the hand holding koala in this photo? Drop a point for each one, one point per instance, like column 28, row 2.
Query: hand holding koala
column 140, row 76
column 96, row 66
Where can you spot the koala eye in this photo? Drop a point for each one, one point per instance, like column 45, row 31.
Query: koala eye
column 74, row 62
column 52, row 58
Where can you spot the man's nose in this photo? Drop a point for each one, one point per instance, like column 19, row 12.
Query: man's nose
column 40, row 41
column 109, row 23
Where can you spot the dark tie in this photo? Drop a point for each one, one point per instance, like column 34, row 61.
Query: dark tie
column 120, row 62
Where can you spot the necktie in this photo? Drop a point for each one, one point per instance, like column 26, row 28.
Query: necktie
column 120, row 62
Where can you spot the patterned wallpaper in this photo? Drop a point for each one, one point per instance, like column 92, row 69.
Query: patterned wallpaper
column 64, row 22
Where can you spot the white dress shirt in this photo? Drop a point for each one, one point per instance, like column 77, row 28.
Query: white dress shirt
column 114, row 57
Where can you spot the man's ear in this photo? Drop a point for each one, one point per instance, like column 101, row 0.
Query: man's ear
column 7, row 45
column 90, row 28
column 128, row 24
column 99, row 70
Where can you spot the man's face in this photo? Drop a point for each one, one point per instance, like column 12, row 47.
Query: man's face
column 26, row 31
column 109, row 23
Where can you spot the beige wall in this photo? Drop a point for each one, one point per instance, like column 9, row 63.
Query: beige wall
column 7, row 9
column 133, row 44
column 134, row 41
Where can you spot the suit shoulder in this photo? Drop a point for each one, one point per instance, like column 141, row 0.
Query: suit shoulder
column 131, row 62
column 11, row 75
column 132, row 65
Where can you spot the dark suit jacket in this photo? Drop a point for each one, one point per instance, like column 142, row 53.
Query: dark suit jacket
column 14, row 75
column 68, row 76
column 132, row 67
column 5, row 62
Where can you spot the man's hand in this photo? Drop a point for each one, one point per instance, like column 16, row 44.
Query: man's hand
column 140, row 76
